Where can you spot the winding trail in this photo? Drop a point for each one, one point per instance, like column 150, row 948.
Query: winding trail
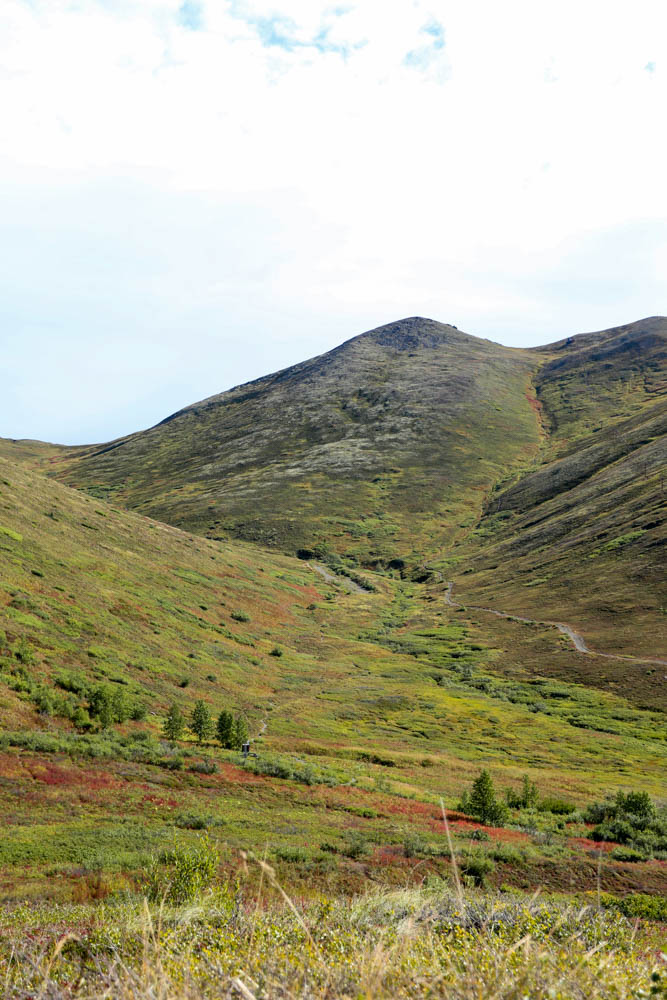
column 352, row 587
column 577, row 639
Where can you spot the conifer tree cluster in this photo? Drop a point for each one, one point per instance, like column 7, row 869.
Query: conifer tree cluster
column 231, row 731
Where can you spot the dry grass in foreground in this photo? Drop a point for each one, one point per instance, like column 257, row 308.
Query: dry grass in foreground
column 430, row 942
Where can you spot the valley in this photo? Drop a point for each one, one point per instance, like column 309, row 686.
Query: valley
column 418, row 557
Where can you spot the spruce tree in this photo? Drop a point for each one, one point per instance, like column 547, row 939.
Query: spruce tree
column 201, row 724
column 482, row 802
column 225, row 729
column 240, row 735
column 172, row 727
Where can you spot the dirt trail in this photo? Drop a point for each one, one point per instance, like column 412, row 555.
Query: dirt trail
column 577, row 639
column 352, row 587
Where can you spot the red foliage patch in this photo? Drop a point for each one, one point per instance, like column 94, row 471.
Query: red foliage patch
column 591, row 845
column 54, row 774
column 463, row 826
column 407, row 807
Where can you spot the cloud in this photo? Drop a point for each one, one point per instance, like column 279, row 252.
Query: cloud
column 425, row 55
column 191, row 15
column 262, row 179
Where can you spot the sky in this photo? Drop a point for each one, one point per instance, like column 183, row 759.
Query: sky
column 194, row 193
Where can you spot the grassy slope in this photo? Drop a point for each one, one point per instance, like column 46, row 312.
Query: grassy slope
column 580, row 537
column 383, row 448
column 394, row 445
column 389, row 691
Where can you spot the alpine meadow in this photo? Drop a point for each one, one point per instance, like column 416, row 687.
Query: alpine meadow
column 347, row 682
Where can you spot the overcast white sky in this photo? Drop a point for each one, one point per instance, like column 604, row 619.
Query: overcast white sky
column 193, row 194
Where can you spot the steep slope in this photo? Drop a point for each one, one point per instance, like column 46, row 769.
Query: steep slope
column 382, row 449
column 581, row 536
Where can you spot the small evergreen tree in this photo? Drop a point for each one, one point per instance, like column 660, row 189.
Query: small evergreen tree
column 526, row 798
column 201, row 724
column 240, row 735
column 119, row 709
column 225, row 729
column 482, row 802
column 101, row 705
column 172, row 727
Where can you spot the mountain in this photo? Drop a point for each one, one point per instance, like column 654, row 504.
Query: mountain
column 533, row 478
column 580, row 536
column 380, row 449
column 410, row 456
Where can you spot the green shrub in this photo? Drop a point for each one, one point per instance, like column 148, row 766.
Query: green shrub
column 476, row 867
column 189, row 821
column 172, row 763
column 23, row 652
column 630, row 819
column 71, row 681
column 637, row 904
column 414, row 844
column 628, row 854
column 556, row 806
column 240, row 616
column 190, row 872
column 204, row 767
column 291, row 854
column 355, row 844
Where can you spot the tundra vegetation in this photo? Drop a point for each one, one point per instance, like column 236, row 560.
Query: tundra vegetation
column 443, row 802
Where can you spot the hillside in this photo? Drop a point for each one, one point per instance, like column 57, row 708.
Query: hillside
column 380, row 449
column 532, row 478
column 580, row 536
column 367, row 707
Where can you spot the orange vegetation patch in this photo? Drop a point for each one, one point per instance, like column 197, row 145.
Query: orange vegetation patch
column 11, row 766
column 239, row 776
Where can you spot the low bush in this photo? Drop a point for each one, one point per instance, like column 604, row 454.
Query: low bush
column 556, row 806
column 355, row 844
column 190, row 821
column 628, row 854
column 630, row 819
column 476, row 867
column 182, row 875
column 637, row 904
column 291, row 854
column 204, row 767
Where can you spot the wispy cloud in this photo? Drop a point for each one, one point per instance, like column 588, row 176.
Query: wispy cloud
column 191, row 15
column 278, row 30
column 430, row 51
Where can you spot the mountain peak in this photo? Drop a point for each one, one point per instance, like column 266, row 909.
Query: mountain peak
column 411, row 332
